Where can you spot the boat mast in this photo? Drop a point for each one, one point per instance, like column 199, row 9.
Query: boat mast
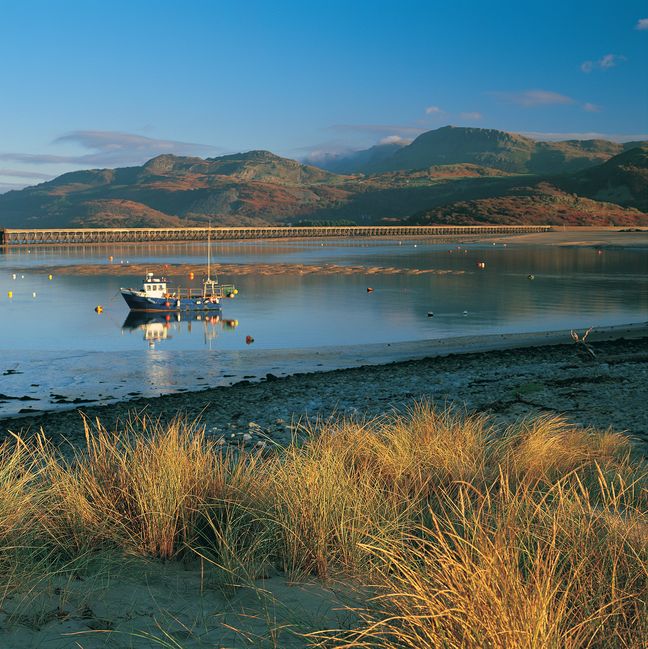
column 209, row 252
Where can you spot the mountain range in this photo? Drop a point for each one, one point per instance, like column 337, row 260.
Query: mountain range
column 488, row 147
column 449, row 175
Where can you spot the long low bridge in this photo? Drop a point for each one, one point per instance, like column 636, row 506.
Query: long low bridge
column 21, row 237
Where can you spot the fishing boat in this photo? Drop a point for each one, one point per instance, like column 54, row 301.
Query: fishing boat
column 156, row 295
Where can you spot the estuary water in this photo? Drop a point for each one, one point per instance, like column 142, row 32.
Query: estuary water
column 473, row 289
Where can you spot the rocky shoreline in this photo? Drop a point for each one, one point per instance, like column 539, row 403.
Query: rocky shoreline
column 609, row 390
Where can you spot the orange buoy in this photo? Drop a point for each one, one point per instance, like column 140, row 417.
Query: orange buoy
column 369, row 289
column 191, row 275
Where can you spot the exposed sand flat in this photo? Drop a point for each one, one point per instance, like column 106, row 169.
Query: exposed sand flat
column 580, row 236
column 236, row 269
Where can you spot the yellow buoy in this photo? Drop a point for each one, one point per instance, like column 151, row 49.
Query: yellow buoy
column 49, row 277
column 99, row 309
column 235, row 291
column 10, row 294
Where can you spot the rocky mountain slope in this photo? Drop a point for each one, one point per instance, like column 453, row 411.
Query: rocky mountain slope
column 475, row 179
column 508, row 152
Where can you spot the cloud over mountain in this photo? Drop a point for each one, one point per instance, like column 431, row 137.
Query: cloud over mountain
column 110, row 148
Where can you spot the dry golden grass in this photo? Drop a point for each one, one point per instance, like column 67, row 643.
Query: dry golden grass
column 468, row 536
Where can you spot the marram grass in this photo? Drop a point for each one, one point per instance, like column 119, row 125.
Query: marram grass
column 464, row 534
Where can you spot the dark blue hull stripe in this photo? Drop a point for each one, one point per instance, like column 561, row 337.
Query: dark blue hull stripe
column 154, row 304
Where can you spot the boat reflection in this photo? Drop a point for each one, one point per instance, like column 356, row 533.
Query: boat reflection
column 158, row 327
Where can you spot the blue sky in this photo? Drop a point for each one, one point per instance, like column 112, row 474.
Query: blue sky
column 88, row 84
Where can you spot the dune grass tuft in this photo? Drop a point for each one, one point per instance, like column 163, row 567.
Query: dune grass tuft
column 464, row 534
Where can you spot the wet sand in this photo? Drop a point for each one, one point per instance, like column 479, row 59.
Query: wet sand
column 579, row 237
column 235, row 269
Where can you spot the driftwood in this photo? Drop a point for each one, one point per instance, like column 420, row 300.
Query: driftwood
column 582, row 343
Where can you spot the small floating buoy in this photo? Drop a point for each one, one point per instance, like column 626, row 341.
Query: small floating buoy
column 481, row 264
column 99, row 309
column 34, row 294
column 531, row 277
column 191, row 275
column 110, row 258
column 22, row 277
column 369, row 289
column 599, row 252
column 465, row 312
column 13, row 276
column 430, row 314
column 9, row 294
column 235, row 291
column 49, row 277
column 249, row 340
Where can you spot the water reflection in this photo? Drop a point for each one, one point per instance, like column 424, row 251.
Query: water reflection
column 158, row 327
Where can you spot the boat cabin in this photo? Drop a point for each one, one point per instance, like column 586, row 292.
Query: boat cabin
column 154, row 287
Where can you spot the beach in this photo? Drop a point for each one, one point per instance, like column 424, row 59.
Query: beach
column 508, row 376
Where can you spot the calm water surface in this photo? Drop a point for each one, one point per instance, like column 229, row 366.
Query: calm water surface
column 573, row 287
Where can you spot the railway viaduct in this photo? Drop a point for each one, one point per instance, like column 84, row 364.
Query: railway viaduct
column 29, row 237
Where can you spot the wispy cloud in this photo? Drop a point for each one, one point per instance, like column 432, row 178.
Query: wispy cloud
column 22, row 173
column 110, row 148
column 471, row 116
column 604, row 63
column 529, row 98
column 591, row 108
column 433, row 110
column 642, row 24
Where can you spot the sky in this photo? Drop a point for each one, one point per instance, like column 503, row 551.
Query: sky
column 93, row 84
